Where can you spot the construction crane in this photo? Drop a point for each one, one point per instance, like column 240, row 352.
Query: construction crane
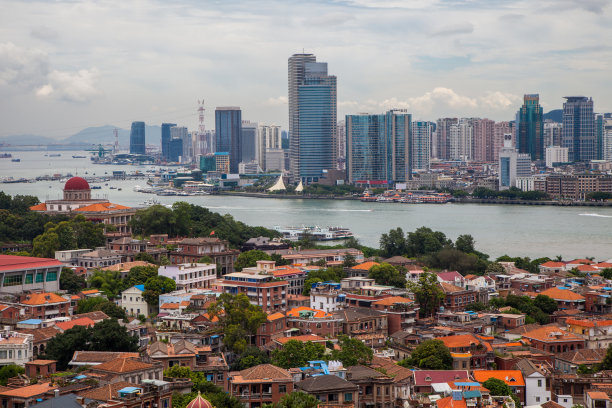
column 100, row 150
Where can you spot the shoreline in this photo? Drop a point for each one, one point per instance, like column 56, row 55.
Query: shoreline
column 455, row 200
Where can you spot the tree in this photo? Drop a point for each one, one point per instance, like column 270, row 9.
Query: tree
column 352, row 352
column 155, row 286
column 72, row 234
column 386, row 274
column 393, row 243
column 71, row 282
column 295, row 399
column 465, row 243
column 297, row 354
column 249, row 259
column 112, row 310
column 108, row 282
column 214, row 394
column 428, row 293
column 333, row 274
column 9, row 371
column 138, row 275
column 545, row 303
column 431, row 355
column 251, row 357
column 144, row 256
column 206, row 259
column 498, row 387
column 606, row 364
column 280, row 261
column 63, row 345
column 494, row 268
column 476, row 307
column 606, row 273
column 425, row 241
column 349, row 261
column 453, row 259
column 99, row 303
column 239, row 321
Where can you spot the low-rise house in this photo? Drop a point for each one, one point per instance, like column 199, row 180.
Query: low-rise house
column 598, row 399
column 296, row 278
column 554, row 339
column 127, row 369
column 375, row 388
column 330, row 390
column 312, row 256
column 469, row 351
column 513, row 378
column 401, row 313
column 597, row 333
column 25, row 396
column 537, row 381
column 99, row 258
column 327, row 296
column 190, row 276
column 191, row 250
column 565, row 298
column 456, row 298
column 149, row 393
column 359, row 321
column 45, row 305
column 9, row 314
column 452, row 277
column 422, row 380
column 401, row 378
column 40, row 338
column 262, row 384
column 361, row 270
column 355, row 283
column 15, row 348
column 124, row 267
column 93, row 358
column 134, row 303
column 82, row 321
column 551, row 267
column 569, row 361
column 312, row 321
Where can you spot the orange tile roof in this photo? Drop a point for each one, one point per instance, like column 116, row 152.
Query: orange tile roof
column 283, row 271
column 450, row 288
column 83, row 321
column 388, row 301
column 511, row 344
column 90, row 291
column 38, row 299
column 169, row 306
column 603, row 265
column 295, row 312
column 304, row 338
column 553, row 264
column 459, row 340
column 29, row 391
column 102, row 207
column 562, row 294
column 513, row 378
column 598, row 395
column 448, row 402
column 122, row 365
column 106, row 392
column 587, row 268
column 589, row 323
column 39, row 207
column 275, row 316
column 551, row 334
column 365, row 266
column 184, row 303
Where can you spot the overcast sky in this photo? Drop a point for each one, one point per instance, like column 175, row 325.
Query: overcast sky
column 66, row 65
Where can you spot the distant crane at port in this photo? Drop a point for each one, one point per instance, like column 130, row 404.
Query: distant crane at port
column 100, row 150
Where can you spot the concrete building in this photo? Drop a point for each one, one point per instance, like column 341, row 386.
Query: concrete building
column 556, row 154
column 500, row 129
column 421, row 145
column 578, row 133
column 250, row 143
column 137, row 138
column 443, row 137
column 133, row 303
column 24, row 273
column 552, row 133
column 484, row 133
column 262, row 290
column 228, row 134
column 190, row 275
column 462, row 140
column 512, row 165
column 15, row 347
column 327, row 296
column 182, row 133
column 530, row 128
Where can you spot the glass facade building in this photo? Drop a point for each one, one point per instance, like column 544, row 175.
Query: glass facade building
column 250, row 142
column 421, row 145
column 137, row 138
column 228, row 137
column 175, row 150
column 530, row 129
column 578, row 132
column 165, row 139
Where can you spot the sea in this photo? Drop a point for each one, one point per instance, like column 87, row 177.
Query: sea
column 515, row 230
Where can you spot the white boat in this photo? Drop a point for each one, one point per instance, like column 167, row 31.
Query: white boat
column 315, row 233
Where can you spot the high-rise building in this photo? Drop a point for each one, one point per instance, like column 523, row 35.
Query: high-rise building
column 341, row 145
column 443, row 137
column 556, row 154
column 484, row 132
column 250, row 143
column 499, row 130
column 578, row 133
column 312, row 117
column 270, row 137
column 552, row 133
column 530, row 128
column 599, row 135
column 421, row 145
column 228, row 128
column 175, row 150
column 462, row 140
column 378, row 148
column 165, row 139
column 512, row 164
column 137, row 138
column 181, row 132
column 607, row 139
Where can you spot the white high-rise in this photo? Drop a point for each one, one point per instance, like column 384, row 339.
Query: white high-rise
column 462, row 140
column 269, row 138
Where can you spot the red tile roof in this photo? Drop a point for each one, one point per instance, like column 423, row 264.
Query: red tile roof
column 551, row 334
column 448, row 402
column 102, row 207
column 303, row 338
column 28, row 391
column 365, row 266
column 38, row 299
column 513, row 378
column 83, row 321
column 562, row 294
column 428, row 377
column 39, row 207
column 553, row 264
column 295, row 312
column 15, row 262
column 388, row 301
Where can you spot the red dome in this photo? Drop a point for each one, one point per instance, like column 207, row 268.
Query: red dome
column 77, row 183
column 199, row 402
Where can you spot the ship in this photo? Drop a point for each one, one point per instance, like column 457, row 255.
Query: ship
column 315, row 233
column 79, row 157
column 5, row 155
column 16, row 160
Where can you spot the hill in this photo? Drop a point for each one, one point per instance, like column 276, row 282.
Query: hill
column 554, row 115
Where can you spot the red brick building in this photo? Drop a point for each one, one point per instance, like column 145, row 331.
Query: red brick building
column 262, row 384
column 262, row 290
column 554, row 340
column 273, row 327
column 312, row 321
column 190, row 250
column 44, row 305
column 401, row 313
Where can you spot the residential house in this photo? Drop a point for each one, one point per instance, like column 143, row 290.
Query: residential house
column 134, row 303
column 367, row 325
column 598, row 399
column 262, row 290
column 469, row 351
column 537, row 381
column 261, row 384
column 422, row 380
column 190, row 275
column 40, row 368
column 375, row 388
column 128, row 369
column 92, row 358
column 453, row 277
column 554, row 339
column 401, row 313
column 24, row 396
column 401, row 376
column 569, row 361
column 15, row 348
column 46, row 305
column 40, row 338
column 327, row 296
column 355, row 283
column 551, row 267
column 361, row 270
column 191, row 250
column 312, row 256
column 513, row 378
column 307, row 320
column 566, row 299
column 457, row 298
column 597, row 333
column 331, row 390
column 99, row 258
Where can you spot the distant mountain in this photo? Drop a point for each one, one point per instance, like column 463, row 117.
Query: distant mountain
column 26, row 140
column 554, row 115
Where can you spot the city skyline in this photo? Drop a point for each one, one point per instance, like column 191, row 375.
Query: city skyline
column 74, row 65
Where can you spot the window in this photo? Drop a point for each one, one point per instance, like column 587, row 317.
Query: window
column 282, row 389
column 348, row 396
column 12, row 280
column 29, row 279
column 537, row 399
column 539, row 383
column 51, row 276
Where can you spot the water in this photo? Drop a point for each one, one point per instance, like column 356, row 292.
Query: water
column 534, row 231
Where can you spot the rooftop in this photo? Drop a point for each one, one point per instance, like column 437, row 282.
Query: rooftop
column 15, row 262
column 512, row 378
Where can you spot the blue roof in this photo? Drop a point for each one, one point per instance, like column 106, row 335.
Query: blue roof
column 30, row 321
column 80, row 377
column 129, row 389
column 607, row 288
column 139, row 287
column 467, row 384
column 472, row 394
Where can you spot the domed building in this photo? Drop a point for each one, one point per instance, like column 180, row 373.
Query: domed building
column 199, row 402
column 77, row 200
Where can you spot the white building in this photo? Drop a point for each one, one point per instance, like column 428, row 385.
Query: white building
column 327, row 297
column 512, row 164
column 607, row 140
column 269, row 138
column 462, row 140
column 536, row 392
column 15, row 348
column 133, row 303
column 190, row 275
column 274, row 160
column 525, row 183
column 556, row 154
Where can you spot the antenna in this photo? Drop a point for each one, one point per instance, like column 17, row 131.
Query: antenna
column 116, row 146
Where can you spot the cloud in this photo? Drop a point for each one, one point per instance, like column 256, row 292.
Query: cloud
column 593, row 6
column 453, row 29
column 44, row 33
column 21, row 67
column 277, row 101
column 79, row 87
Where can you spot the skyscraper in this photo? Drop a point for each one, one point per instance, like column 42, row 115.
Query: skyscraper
column 484, row 132
column 378, row 148
column 578, row 133
column 137, row 138
column 512, row 164
column 250, row 142
column 165, row 139
column 175, row 152
column 443, row 137
column 462, row 140
column 607, row 139
column 599, row 135
column 530, row 128
column 312, row 117
column 421, row 145
column 552, row 133
column 500, row 129
column 270, row 137
column 180, row 132
column 228, row 128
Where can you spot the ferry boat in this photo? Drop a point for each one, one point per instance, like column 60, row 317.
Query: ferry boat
column 315, row 233
column 16, row 160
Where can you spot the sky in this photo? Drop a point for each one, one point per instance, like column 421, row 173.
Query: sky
column 67, row 65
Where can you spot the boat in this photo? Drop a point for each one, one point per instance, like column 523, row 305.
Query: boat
column 5, row 155
column 96, row 187
column 55, row 155
column 79, row 157
column 119, row 189
column 315, row 233
column 16, row 160
column 166, row 193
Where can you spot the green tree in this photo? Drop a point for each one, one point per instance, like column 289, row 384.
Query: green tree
column 9, row 371
column 212, row 393
column 108, row 335
column 606, row 364
column 295, row 399
column 465, row 243
column 393, row 243
column 425, row 241
column 239, row 321
column 349, row 261
column 112, row 310
column 73, row 234
column 251, row 357
column 138, row 275
column 428, row 293
column 156, row 286
column 71, row 282
column 453, row 259
column 249, row 259
column 476, row 307
column 108, row 282
column 280, row 261
column 430, row 355
column 90, row 304
column 545, row 303
column 144, row 256
column 333, row 274
column 386, row 274
column 297, row 354
column 63, row 345
column 352, row 352
column 494, row 268
column 206, row 259
column 498, row 387
column 606, row 273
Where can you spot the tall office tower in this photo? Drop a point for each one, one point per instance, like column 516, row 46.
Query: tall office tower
column 552, row 133
column 250, row 143
column 137, row 138
column 228, row 128
column 312, row 117
column 443, row 137
column 175, row 151
column 270, row 137
column 180, row 132
column 341, row 145
column 512, row 164
column 607, row 139
column 499, row 130
column 165, row 139
column 484, row 131
column 462, row 140
column 285, row 139
column 599, row 135
column 378, row 148
column 530, row 128
column 578, row 133
column 209, row 137
column 421, row 147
